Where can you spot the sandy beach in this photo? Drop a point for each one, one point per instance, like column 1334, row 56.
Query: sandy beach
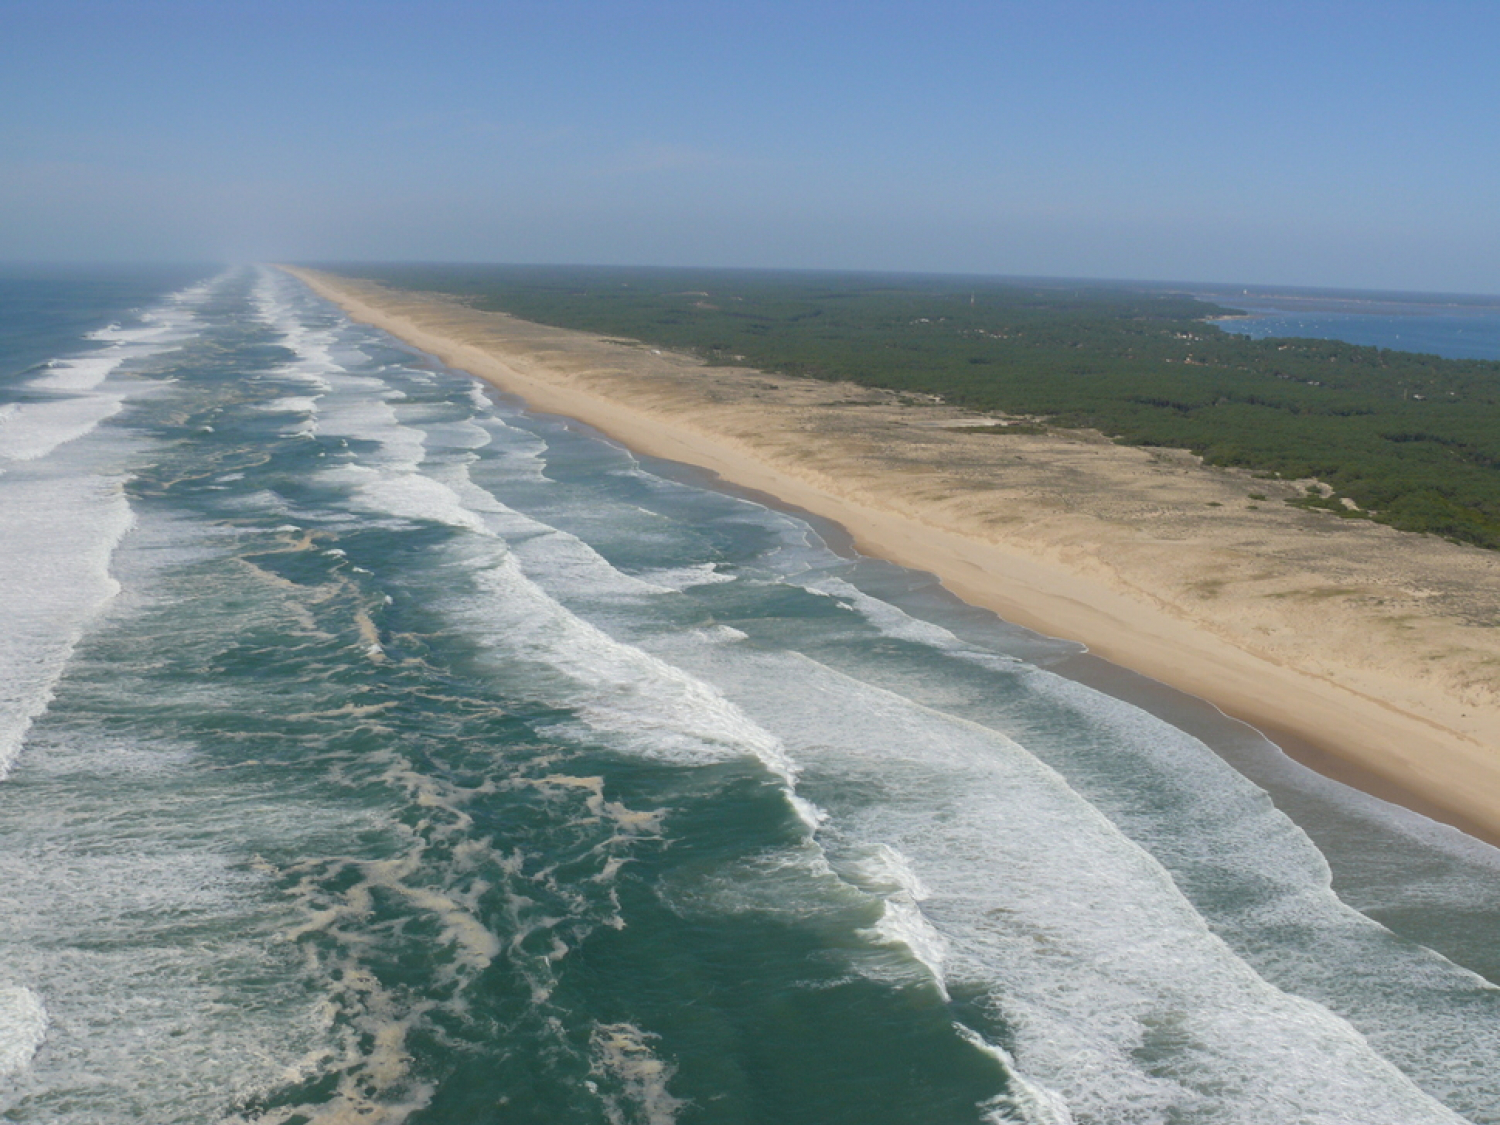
column 1343, row 637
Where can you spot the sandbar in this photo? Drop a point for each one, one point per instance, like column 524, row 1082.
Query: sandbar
column 1348, row 639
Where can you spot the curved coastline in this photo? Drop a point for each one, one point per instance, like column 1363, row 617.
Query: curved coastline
column 1378, row 673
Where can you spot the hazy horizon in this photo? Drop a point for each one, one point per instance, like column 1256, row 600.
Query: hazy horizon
column 1336, row 145
column 1198, row 287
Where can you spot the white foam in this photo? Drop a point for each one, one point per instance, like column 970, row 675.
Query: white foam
column 899, row 625
column 83, row 373
column 1026, row 1101
column 292, row 404
column 685, row 577
column 570, row 567
column 311, row 345
column 1439, row 1022
column 135, row 932
column 36, row 429
column 463, row 434
column 641, row 703
column 886, row 872
column 1119, row 996
column 358, row 408
column 58, row 535
column 407, row 496
column 86, row 395
column 61, row 515
column 1268, row 887
column 517, row 454
column 23, row 1026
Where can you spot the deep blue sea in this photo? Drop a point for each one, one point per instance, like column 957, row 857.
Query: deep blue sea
column 1457, row 328
column 373, row 750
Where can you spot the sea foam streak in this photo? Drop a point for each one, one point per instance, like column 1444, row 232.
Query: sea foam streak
column 53, row 588
column 63, row 512
column 80, row 395
column 23, row 1024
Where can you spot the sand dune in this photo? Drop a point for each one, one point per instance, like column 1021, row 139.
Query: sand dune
column 1376, row 646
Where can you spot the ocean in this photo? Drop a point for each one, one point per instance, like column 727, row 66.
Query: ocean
column 374, row 750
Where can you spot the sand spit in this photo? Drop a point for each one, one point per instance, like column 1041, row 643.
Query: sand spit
column 1376, row 646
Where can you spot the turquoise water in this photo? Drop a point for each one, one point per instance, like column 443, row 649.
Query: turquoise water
column 1451, row 329
column 375, row 750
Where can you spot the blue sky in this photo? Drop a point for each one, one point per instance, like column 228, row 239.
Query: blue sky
column 1340, row 144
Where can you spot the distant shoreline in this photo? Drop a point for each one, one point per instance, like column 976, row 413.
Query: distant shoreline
column 1311, row 628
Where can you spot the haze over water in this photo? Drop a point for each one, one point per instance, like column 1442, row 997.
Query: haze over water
column 373, row 749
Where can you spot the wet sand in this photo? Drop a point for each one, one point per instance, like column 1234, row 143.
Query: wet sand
column 1370, row 653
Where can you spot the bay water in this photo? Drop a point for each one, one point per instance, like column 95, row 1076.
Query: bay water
column 1455, row 328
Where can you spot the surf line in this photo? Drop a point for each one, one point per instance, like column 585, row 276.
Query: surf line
column 1368, row 743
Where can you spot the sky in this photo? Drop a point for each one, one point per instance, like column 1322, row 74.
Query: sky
column 1341, row 144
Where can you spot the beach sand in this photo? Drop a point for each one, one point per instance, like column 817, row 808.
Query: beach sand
column 1343, row 640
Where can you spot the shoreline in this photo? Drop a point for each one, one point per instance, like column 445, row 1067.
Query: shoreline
column 1193, row 714
column 1128, row 558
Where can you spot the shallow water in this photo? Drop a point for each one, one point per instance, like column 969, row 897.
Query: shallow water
column 379, row 751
